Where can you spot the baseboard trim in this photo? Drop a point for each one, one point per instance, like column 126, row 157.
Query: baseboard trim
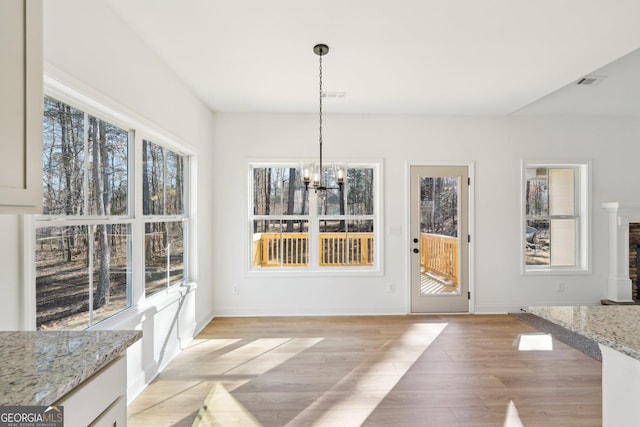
column 287, row 311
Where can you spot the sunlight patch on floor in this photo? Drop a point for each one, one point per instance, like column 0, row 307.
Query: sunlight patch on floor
column 258, row 356
column 512, row 419
column 534, row 342
column 276, row 353
column 221, row 408
column 248, row 361
column 209, row 345
column 360, row 392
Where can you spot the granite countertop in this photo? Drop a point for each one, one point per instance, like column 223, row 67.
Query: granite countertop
column 39, row 367
column 616, row 326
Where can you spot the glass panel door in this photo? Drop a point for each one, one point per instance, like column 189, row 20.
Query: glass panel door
column 439, row 244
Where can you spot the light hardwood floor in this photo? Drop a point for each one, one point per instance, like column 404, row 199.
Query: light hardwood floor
column 374, row 370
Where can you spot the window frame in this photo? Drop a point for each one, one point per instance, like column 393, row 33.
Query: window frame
column 96, row 104
column 582, row 205
column 183, row 218
column 314, row 217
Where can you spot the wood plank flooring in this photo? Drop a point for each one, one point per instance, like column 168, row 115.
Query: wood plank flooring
column 374, row 371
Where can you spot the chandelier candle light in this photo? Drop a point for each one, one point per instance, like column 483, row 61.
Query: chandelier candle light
column 319, row 181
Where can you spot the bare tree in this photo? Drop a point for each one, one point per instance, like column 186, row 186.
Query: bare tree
column 102, row 199
column 291, row 198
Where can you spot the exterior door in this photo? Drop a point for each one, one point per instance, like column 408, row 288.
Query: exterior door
column 439, row 239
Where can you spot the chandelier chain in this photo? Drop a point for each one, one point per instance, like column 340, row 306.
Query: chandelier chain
column 320, row 121
column 320, row 182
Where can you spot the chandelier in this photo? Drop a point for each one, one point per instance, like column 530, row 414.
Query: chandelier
column 319, row 181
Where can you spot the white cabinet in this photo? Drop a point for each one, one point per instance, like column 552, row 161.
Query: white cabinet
column 20, row 106
column 101, row 400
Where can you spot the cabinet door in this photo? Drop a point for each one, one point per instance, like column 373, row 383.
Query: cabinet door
column 20, row 106
column 101, row 400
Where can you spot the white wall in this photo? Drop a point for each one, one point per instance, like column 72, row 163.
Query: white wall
column 496, row 145
column 86, row 43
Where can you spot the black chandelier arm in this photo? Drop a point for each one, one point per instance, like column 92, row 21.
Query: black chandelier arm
column 322, row 187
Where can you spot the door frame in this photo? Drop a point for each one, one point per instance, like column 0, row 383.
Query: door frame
column 470, row 221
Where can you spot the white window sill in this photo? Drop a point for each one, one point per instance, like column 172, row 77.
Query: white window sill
column 556, row 271
column 136, row 314
column 324, row 272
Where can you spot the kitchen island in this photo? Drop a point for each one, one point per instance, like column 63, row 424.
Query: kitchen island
column 84, row 371
column 616, row 329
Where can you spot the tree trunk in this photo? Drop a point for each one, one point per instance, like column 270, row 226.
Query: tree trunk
column 146, row 197
column 304, row 203
column 291, row 198
column 66, row 146
column 101, row 296
column 267, row 198
column 67, row 248
column 255, row 198
column 97, row 136
column 179, row 183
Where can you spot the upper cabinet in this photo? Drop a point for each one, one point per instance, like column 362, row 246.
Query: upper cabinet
column 20, row 106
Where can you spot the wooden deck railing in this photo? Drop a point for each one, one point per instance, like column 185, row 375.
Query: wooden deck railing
column 292, row 249
column 439, row 255
column 275, row 250
column 355, row 249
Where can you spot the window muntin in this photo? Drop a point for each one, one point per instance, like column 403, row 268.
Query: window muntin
column 296, row 228
column 163, row 178
column 555, row 209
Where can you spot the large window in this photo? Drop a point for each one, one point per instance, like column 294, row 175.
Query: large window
column 555, row 217
column 86, row 235
column 295, row 228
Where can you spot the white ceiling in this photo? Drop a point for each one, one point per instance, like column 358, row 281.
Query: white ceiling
column 445, row 57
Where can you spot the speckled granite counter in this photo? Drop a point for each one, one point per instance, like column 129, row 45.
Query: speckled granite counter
column 616, row 326
column 38, row 368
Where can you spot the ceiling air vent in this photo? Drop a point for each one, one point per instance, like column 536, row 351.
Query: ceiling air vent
column 590, row 80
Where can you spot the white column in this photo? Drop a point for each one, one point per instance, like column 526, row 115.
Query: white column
column 619, row 287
